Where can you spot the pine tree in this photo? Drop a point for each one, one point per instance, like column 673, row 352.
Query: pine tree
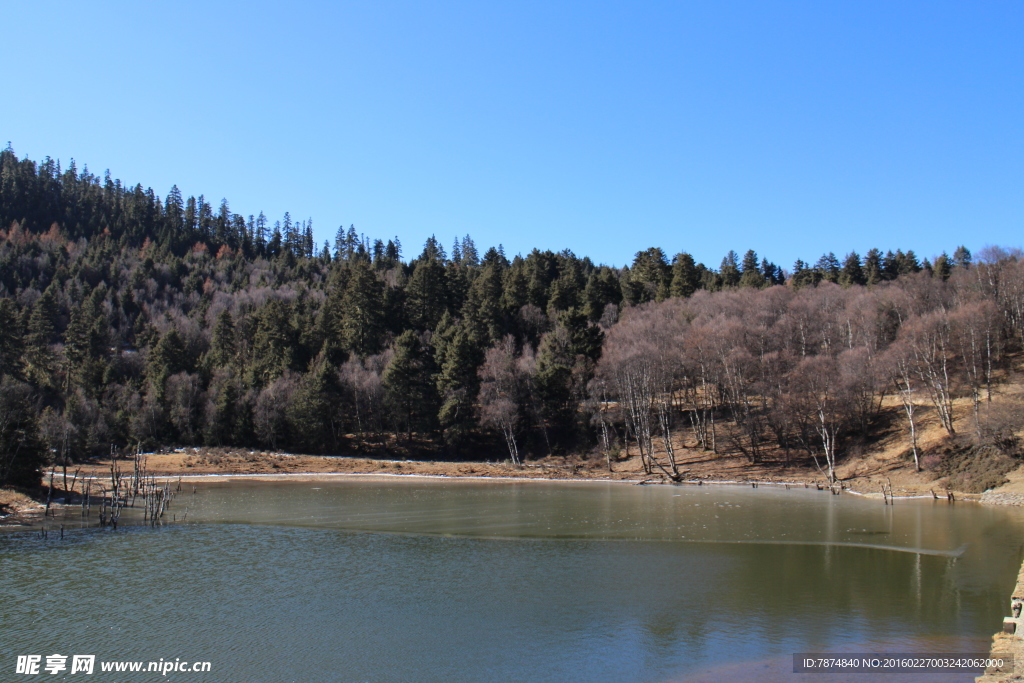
column 649, row 277
column 457, row 385
column 433, row 251
column 11, row 339
column 470, row 256
column 804, row 276
column 40, row 363
column 84, row 343
column 515, row 289
column 22, row 454
column 307, row 239
column 962, row 257
column 409, row 388
column 567, row 287
column 167, row 358
column 313, row 412
column 427, row 294
column 851, row 273
column 261, row 232
column 729, row 271
column 362, row 314
column 273, row 345
column 482, row 309
column 223, row 344
column 553, row 384
column 685, row 279
column 909, row 263
column 602, row 289
column 223, row 413
column 750, row 273
column 340, row 244
column 772, row 273
column 890, row 265
column 873, row 267
column 828, row 267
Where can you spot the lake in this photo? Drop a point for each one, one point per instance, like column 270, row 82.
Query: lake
column 415, row 579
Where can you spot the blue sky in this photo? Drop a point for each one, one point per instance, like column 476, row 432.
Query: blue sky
column 791, row 128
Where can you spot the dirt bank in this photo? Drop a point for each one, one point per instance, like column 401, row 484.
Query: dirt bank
column 864, row 475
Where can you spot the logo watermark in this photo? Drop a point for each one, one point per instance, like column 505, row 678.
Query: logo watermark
column 87, row 664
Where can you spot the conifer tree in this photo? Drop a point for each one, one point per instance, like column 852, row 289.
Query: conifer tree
column 685, row 278
column 362, row 321
column 750, row 273
column 167, row 358
column 273, row 345
column 457, row 385
column 851, row 273
column 426, row 294
column 515, row 290
column 470, row 257
column 409, row 386
column 84, row 342
column 223, row 411
column 40, row 363
column 11, row 339
column 222, row 345
column 567, row 287
column 873, row 267
column 22, row 454
column 482, row 309
column 729, row 271
column 828, row 267
column 313, row 412
column 602, row 289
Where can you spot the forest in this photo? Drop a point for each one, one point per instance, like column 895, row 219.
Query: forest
column 127, row 318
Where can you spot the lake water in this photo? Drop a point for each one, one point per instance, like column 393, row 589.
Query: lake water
column 407, row 579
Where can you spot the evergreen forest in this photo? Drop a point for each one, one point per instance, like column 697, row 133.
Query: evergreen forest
column 127, row 318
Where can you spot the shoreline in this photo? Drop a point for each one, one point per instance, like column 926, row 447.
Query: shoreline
column 319, row 476
column 875, row 479
column 28, row 516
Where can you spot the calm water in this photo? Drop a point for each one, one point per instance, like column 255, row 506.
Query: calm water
column 427, row 580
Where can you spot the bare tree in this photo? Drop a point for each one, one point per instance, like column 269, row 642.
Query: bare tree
column 928, row 338
column 270, row 415
column 819, row 380
column 898, row 363
column 641, row 364
column 974, row 327
column 363, row 380
column 503, row 389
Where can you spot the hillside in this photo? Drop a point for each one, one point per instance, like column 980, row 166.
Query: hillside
column 132, row 321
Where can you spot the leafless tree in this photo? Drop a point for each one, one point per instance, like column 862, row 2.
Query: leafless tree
column 974, row 328
column 929, row 340
column 503, row 389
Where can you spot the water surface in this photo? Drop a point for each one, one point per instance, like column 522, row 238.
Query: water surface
column 428, row 580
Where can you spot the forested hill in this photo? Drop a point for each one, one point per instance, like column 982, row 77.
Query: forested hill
column 126, row 317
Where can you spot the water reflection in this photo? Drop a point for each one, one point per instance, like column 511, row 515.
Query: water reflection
column 497, row 581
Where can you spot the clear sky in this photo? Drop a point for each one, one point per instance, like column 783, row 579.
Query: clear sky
column 791, row 128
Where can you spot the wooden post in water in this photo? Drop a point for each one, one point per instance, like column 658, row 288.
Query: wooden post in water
column 73, row 480
column 49, row 496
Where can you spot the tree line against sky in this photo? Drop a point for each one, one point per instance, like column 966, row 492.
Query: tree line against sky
column 130, row 318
